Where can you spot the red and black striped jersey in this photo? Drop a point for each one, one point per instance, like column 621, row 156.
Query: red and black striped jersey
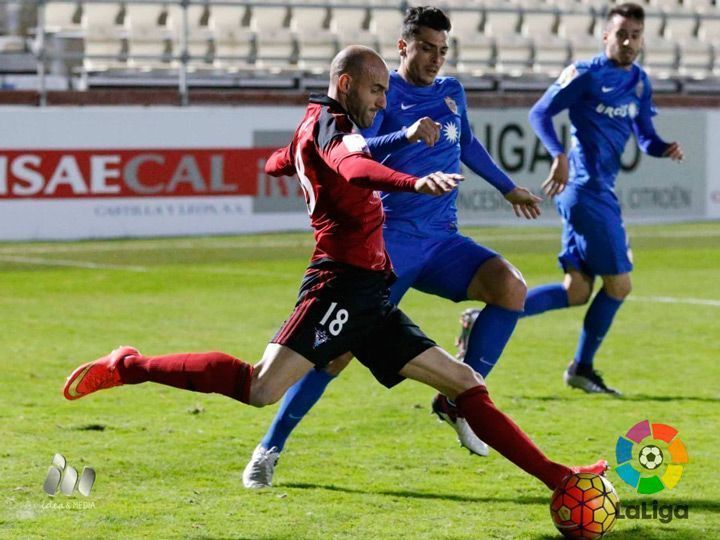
column 339, row 178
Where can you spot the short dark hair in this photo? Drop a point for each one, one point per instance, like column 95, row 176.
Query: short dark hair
column 429, row 16
column 629, row 11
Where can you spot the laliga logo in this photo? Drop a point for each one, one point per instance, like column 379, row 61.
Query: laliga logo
column 650, row 448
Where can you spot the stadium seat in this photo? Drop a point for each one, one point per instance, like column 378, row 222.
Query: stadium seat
column 200, row 33
column 350, row 26
column 474, row 50
column 665, row 5
column 276, row 48
column 454, row 5
column 551, row 47
column 583, row 29
column 63, row 17
column 386, row 24
column 701, row 6
column 233, row 46
column 696, row 56
column 709, row 33
column 513, row 47
column 106, row 34
column 659, row 56
column 150, row 37
column 316, row 43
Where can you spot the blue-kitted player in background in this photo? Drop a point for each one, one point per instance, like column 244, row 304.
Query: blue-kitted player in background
column 425, row 128
column 608, row 98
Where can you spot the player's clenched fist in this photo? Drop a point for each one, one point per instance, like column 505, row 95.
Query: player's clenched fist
column 425, row 130
column 675, row 152
column 438, row 183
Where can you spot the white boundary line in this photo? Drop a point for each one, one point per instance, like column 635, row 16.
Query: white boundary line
column 675, row 300
column 132, row 268
column 141, row 245
column 306, row 241
column 74, row 264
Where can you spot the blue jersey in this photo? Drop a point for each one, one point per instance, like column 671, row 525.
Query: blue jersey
column 606, row 104
column 443, row 101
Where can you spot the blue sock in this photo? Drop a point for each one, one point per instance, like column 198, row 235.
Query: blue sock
column 490, row 333
column 299, row 399
column 544, row 298
column 597, row 322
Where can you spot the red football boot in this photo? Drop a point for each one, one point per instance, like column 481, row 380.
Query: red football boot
column 596, row 468
column 97, row 375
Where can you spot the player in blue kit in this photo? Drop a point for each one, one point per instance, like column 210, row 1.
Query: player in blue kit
column 608, row 98
column 425, row 127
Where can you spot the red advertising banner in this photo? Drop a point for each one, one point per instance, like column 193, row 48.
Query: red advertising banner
column 107, row 173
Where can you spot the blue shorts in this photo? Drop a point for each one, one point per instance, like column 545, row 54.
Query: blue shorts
column 594, row 240
column 443, row 266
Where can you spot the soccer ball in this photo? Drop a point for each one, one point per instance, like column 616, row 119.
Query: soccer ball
column 651, row 457
column 585, row 505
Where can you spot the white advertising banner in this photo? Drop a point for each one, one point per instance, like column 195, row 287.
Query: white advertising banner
column 104, row 172
column 712, row 149
column 649, row 189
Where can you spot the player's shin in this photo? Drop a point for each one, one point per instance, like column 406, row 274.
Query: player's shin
column 212, row 372
column 298, row 401
column 488, row 336
column 499, row 431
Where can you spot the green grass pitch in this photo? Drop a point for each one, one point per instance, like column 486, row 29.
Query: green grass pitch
column 367, row 463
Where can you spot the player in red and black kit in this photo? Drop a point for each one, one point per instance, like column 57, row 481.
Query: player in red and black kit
column 343, row 303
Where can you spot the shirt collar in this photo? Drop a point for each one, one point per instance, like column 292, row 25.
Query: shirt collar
column 324, row 99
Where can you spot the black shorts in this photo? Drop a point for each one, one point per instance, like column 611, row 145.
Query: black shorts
column 343, row 308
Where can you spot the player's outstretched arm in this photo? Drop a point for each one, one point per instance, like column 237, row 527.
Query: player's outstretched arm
column 558, row 178
column 524, row 203
column 280, row 163
column 674, row 151
column 438, row 183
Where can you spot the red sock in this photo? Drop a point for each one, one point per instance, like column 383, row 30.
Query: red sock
column 201, row 372
column 499, row 431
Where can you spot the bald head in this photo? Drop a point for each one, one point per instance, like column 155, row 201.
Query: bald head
column 358, row 81
column 355, row 60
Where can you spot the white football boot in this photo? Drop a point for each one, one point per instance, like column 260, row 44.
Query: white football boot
column 447, row 412
column 259, row 471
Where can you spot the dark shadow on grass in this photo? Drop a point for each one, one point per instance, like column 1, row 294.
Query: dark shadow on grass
column 418, row 495
column 90, row 427
column 624, row 530
column 626, row 397
column 646, row 397
column 284, row 536
column 648, row 531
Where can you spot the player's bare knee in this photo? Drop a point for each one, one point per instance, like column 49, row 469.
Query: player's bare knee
column 263, row 393
column 516, row 291
column 579, row 296
column 340, row 363
column 465, row 378
column 618, row 291
column 506, row 288
column 578, row 290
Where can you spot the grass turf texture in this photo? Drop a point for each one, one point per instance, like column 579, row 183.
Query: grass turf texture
column 367, row 462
